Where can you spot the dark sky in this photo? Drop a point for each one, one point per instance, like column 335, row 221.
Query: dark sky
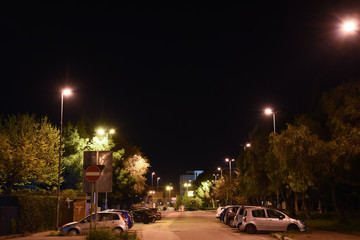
column 187, row 83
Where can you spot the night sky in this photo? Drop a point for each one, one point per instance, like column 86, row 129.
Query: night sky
column 187, row 83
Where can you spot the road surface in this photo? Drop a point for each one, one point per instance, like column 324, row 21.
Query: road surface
column 198, row 225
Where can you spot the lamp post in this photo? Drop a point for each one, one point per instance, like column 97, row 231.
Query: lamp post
column 228, row 160
column 102, row 132
column 219, row 169
column 64, row 92
column 157, row 183
column 187, row 185
column 152, row 180
column 215, row 176
column 269, row 111
column 169, row 188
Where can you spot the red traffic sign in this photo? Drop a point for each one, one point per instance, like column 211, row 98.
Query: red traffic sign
column 92, row 173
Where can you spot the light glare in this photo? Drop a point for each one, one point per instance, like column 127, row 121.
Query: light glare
column 101, row 131
column 67, row 92
column 349, row 26
column 268, row 111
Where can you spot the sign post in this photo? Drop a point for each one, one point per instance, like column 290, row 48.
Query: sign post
column 92, row 174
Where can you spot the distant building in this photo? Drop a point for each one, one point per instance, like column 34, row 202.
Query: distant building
column 189, row 177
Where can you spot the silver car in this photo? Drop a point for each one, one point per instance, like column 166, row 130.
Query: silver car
column 105, row 220
column 266, row 219
column 239, row 216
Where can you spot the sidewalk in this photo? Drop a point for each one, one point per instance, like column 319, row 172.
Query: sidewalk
column 42, row 236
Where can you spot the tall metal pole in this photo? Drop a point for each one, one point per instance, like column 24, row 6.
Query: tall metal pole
column 59, row 170
column 274, row 121
column 157, row 183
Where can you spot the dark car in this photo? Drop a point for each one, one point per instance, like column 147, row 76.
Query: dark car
column 129, row 218
column 156, row 212
column 143, row 216
column 230, row 215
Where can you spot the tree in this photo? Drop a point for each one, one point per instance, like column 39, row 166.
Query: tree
column 343, row 149
column 29, row 151
column 74, row 147
column 296, row 150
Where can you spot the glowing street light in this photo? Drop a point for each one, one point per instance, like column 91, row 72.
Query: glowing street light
column 152, row 180
column 101, row 131
column 219, row 169
column 65, row 92
column 228, row 160
column 269, row 111
column 187, row 185
column 157, row 183
column 169, row 188
column 350, row 27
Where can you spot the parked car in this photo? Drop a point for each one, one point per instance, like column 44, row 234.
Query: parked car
column 157, row 213
column 230, row 214
column 218, row 212
column 239, row 216
column 129, row 218
column 143, row 215
column 108, row 220
column 266, row 219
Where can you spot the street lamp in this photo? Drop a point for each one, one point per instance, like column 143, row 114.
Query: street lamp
column 215, row 176
column 269, row 111
column 65, row 92
column 169, row 188
column 102, row 132
column 219, row 169
column 157, row 183
column 350, row 26
column 228, row 160
column 152, row 180
column 187, row 185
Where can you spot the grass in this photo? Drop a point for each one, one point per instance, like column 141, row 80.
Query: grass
column 329, row 222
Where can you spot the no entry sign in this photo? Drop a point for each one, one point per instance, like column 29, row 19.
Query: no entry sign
column 92, row 173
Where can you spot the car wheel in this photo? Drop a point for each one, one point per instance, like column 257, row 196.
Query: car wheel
column 293, row 227
column 73, row 232
column 231, row 223
column 239, row 226
column 153, row 220
column 250, row 228
column 118, row 230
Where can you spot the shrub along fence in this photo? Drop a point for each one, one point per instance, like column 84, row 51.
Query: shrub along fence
column 37, row 213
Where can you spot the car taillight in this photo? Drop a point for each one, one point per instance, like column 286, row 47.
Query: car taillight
column 244, row 219
column 237, row 218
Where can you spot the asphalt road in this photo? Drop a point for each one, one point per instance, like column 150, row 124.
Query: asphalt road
column 198, row 225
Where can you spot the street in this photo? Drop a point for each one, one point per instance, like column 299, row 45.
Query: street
column 191, row 225
column 198, row 225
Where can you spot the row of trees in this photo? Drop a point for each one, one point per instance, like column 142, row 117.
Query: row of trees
column 313, row 164
column 29, row 153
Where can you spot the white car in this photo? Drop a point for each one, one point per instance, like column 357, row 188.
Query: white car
column 239, row 216
column 266, row 219
column 105, row 220
column 218, row 211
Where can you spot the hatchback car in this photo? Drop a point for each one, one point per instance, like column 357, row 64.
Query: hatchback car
column 129, row 218
column 105, row 220
column 239, row 217
column 266, row 219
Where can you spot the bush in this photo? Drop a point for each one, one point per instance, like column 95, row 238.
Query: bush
column 109, row 235
column 38, row 212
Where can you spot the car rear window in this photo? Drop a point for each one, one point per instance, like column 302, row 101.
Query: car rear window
column 258, row 213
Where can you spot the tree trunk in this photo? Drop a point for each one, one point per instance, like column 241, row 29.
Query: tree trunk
column 290, row 202
column 296, row 203
column 339, row 210
column 305, row 207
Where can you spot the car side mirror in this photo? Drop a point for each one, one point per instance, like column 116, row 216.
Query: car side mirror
column 281, row 217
